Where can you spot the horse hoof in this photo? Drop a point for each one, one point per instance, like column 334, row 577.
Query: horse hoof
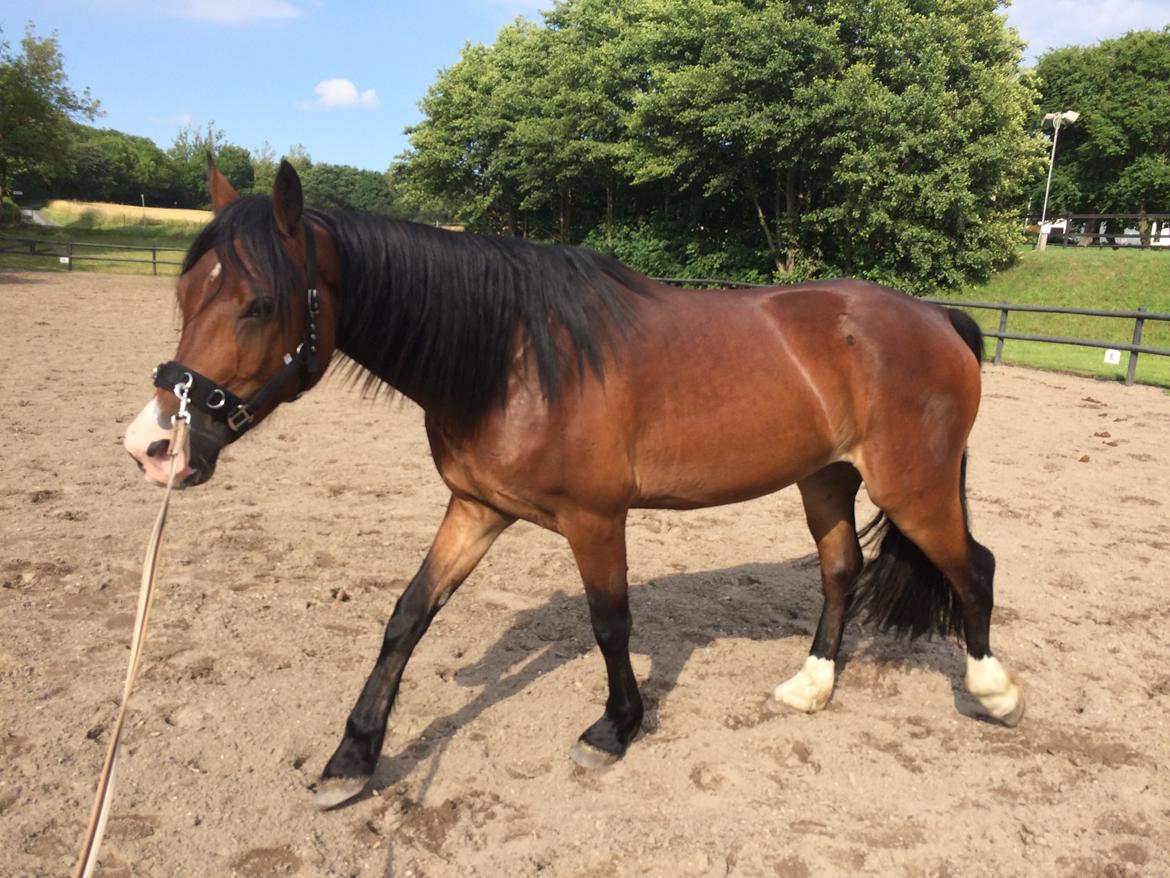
column 588, row 756
column 334, row 791
column 1012, row 718
column 808, row 690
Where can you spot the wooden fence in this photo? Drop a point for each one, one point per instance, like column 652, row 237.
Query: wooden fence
column 68, row 252
column 1135, row 346
column 1150, row 231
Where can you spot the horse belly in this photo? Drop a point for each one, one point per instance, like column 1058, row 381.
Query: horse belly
column 728, row 448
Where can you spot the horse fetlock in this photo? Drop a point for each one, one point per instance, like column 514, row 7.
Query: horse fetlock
column 997, row 691
column 809, row 689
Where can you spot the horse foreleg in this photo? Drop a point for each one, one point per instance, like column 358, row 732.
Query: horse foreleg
column 599, row 546
column 828, row 497
column 467, row 531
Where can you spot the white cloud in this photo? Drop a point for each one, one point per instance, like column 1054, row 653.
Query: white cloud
column 1050, row 24
column 179, row 120
column 231, row 11
column 334, row 93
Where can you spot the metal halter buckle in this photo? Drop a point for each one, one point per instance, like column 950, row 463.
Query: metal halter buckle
column 180, row 390
column 237, row 419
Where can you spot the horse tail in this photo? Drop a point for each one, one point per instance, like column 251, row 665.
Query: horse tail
column 968, row 330
column 900, row 589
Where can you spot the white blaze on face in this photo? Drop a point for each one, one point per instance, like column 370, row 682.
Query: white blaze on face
column 215, row 271
column 148, row 441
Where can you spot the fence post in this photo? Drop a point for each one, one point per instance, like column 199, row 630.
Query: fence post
column 69, row 253
column 1003, row 317
column 154, row 261
column 1131, row 371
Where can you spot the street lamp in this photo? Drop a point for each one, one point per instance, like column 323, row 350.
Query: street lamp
column 1053, row 120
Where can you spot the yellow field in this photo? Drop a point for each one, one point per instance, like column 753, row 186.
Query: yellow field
column 125, row 214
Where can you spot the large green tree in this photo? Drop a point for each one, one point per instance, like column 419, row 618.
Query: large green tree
column 1116, row 157
column 885, row 138
column 37, row 107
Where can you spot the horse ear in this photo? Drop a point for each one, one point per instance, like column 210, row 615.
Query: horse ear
column 288, row 200
column 222, row 192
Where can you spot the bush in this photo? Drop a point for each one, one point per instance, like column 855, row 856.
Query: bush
column 9, row 212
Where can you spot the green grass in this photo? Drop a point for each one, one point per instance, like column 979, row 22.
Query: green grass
column 1115, row 280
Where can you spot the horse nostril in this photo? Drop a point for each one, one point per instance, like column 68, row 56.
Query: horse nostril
column 158, row 448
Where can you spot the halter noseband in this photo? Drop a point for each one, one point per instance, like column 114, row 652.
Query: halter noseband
column 215, row 400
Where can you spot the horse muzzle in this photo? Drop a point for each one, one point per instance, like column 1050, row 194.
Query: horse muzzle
column 148, row 441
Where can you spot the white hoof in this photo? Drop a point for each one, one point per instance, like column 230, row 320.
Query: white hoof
column 334, row 791
column 809, row 689
column 588, row 756
column 1001, row 696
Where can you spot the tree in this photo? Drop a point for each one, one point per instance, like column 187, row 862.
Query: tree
column 329, row 186
column 36, row 108
column 884, row 138
column 1116, row 158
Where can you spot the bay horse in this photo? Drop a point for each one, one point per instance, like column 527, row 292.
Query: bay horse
column 563, row 388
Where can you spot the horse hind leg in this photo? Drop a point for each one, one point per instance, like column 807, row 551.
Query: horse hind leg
column 930, row 576
column 828, row 498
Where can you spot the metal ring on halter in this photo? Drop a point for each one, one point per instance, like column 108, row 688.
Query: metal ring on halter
column 215, row 401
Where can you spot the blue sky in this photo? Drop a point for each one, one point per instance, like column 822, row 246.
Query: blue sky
column 342, row 77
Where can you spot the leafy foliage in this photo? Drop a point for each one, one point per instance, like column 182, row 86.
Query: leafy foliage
column 1116, row 157
column 783, row 139
column 36, row 108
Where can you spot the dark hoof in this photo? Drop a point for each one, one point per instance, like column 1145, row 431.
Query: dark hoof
column 588, row 756
column 334, row 791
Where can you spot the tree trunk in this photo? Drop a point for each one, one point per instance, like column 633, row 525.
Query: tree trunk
column 564, row 218
column 767, row 229
column 609, row 216
column 1144, row 226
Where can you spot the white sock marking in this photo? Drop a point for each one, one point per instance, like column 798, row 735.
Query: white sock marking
column 809, row 689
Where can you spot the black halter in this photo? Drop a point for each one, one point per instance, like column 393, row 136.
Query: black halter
column 237, row 414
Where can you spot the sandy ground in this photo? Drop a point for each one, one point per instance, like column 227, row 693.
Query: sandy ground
column 278, row 576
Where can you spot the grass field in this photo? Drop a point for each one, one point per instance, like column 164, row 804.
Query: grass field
column 1114, row 280
column 102, row 215
column 159, row 236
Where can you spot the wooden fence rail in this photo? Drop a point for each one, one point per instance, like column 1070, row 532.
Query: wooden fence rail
column 67, row 251
column 1135, row 347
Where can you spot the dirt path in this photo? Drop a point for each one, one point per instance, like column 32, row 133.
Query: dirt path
column 278, row 576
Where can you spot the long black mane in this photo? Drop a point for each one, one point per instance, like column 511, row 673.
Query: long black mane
column 437, row 313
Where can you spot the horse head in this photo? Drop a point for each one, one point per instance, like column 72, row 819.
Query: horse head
column 257, row 295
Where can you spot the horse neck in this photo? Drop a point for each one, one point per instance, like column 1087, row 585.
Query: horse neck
column 402, row 319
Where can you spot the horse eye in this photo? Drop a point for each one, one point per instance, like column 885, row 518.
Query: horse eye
column 261, row 308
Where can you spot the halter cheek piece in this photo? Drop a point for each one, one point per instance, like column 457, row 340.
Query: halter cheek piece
column 216, row 401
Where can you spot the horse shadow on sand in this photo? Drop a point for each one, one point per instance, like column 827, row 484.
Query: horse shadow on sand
column 674, row 617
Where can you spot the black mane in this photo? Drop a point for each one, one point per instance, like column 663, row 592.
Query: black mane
column 436, row 313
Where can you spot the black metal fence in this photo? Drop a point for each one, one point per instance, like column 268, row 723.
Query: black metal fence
column 69, row 252
column 1135, row 346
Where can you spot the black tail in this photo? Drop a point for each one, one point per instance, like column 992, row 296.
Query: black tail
column 966, row 326
column 900, row 589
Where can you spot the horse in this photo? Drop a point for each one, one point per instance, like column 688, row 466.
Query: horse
column 563, row 388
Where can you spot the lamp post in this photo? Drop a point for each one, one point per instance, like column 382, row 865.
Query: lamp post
column 1054, row 120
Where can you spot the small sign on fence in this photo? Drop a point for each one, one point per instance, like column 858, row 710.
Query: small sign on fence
column 64, row 260
column 1113, row 357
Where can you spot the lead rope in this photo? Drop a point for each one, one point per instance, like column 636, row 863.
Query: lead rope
column 105, row 788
